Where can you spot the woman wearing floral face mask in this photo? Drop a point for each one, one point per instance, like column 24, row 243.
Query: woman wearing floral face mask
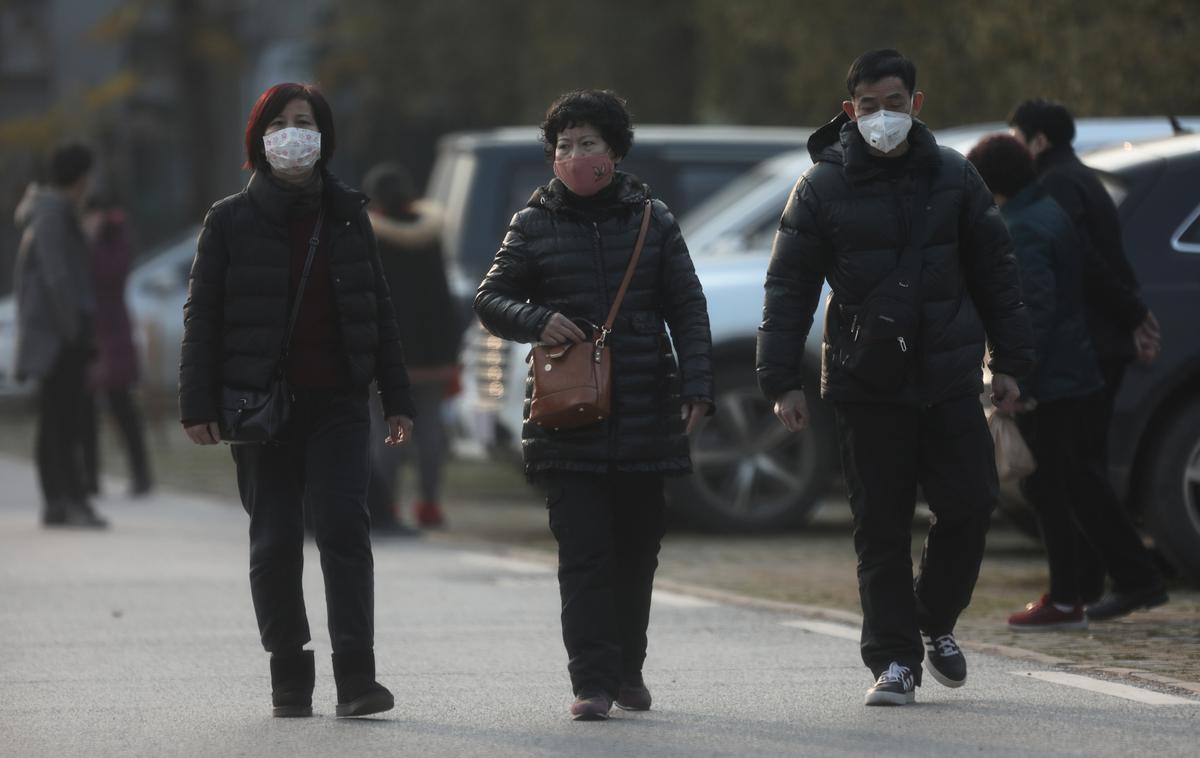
column 554, row 279
column 252, row 260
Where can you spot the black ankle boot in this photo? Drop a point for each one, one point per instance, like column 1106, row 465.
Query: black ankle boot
column 292, row 678
column 358, row 692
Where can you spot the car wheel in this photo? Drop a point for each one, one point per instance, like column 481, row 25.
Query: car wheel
column 749, row 473
column 1171, row 491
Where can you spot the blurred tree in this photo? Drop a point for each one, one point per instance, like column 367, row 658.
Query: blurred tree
column 402, row 72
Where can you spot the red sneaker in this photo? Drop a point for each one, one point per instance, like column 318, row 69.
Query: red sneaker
column 1043, row 616
column 429, row 515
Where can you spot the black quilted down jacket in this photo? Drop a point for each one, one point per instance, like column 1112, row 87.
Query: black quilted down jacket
column 554, row 258
column 237, row 307
column 846, row 221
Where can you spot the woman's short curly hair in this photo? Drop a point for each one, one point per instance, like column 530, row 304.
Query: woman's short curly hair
column 600, row 108
column 1004, row 163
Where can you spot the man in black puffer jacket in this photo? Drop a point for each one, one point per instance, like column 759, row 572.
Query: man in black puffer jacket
column 847, row 221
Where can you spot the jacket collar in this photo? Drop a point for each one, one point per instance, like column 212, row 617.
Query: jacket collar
column 840, row 142
column 341, row 202
column 1055, row 156
column 630, row 191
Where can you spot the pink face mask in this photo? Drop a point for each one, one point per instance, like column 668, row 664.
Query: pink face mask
column 586, row 175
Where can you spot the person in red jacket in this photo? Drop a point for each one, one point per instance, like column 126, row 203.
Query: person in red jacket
column 114, row 371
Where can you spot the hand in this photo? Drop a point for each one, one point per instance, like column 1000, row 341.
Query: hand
column 203, row 434
column 692, row 412
column 400, row 430
column 560, row 330
column 792, row 410
column 1147, row 340
column 1005, row 394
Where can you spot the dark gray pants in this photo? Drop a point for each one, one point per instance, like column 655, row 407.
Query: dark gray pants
column 609, row 528
column 326, row 465
column 887, row 451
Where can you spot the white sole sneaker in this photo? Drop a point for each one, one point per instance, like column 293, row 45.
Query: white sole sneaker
column 877, row 697
column 941, row 678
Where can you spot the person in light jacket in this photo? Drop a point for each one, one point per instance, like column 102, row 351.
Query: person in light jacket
column 56, row 306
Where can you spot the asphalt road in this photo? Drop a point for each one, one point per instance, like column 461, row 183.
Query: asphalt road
column 141, row 642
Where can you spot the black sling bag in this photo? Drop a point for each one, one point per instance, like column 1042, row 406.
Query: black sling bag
column 885, row 326
column 257, row 416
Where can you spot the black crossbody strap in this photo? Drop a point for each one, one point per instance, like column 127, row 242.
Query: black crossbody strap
column 313, row 241
column 908, row 269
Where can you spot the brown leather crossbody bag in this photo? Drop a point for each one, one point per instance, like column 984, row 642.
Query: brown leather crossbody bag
column 572, row 383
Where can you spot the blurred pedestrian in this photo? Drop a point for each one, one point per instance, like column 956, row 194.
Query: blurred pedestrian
column 923, row 277
column 56, row 307
column 1070, row 490
column 409, row 231
column 1122, row 328
column 296, row 225
column 553, row 280
column 114, row 372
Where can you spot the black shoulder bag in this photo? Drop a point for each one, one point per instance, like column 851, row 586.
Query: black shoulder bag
column 885, row 326
column 257, row 416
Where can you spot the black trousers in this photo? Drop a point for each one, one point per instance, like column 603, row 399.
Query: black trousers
column 62, row 402
column 609, row 528
column 129, row 425
column 327, row 465
column 1081, row 518
column 887, row 451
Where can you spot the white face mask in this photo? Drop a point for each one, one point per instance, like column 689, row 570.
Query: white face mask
column 290, row 150
column 885, row 130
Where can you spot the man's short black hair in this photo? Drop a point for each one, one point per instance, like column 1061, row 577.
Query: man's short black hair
column 601, row 108
column 69, row 163
column 874, row 65
column 1042, row 116
column 1005, row 164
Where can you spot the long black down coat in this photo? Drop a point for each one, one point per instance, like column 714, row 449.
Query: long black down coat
column 238, row 304
column 847, row 220
column 555, row 259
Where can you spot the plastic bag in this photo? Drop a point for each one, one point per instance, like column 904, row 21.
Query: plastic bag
column 1014, row 461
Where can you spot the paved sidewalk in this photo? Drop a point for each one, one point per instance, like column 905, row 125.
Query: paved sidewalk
column 141, row 642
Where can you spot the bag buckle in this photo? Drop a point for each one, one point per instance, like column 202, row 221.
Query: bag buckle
column 903, row 345
column 602, row 340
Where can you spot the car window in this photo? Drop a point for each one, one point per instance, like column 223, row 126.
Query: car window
column 695, row 182
column 1187, row 238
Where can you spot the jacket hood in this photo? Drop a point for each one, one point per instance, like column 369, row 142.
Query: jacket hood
column 40, row 201
column 839, row 142
column 423, row 229
column 553, row 196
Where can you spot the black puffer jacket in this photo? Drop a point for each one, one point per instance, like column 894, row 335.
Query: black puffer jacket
column 1110, row 288
column 847, row 220
column 555, row 259
column 1047, row 253
column 237, row 307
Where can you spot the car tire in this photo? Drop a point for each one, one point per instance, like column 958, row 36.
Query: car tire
column 749, row 473
column 1171, row 490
